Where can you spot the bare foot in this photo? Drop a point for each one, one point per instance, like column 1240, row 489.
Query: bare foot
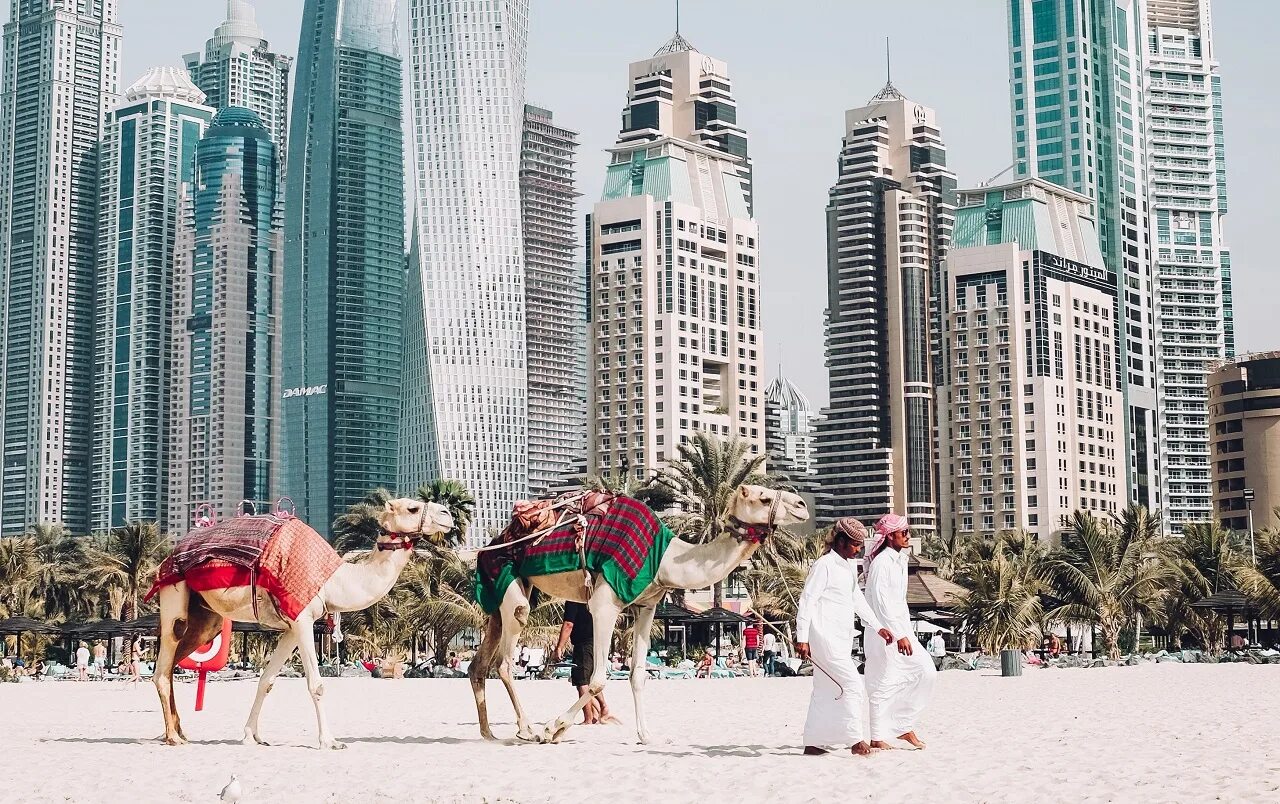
column 814, row 751
column 881, row 744
column 609, row 720
column 911, row 737
column 862, row 749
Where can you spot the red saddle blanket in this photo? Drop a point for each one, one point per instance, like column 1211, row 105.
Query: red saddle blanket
column 284, row 557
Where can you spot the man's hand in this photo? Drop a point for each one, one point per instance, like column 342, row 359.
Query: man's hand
column 904, row 646
column 886, row 636
column 802, row 650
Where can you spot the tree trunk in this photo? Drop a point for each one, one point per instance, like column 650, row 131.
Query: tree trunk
column 717, row 594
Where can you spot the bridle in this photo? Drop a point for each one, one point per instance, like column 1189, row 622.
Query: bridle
column 756, row 533
column 406, row 541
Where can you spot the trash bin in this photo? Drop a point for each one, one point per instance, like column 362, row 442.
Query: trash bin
column 1010, row 662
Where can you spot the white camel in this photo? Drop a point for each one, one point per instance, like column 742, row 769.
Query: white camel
column 189, row 619
column 753, row 514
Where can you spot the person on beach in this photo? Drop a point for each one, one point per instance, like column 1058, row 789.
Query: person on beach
column 770, row 644
column 100, row 657
column 900, row 677
column 82, row 662
column 135, row 660
column 578, row 631
column 824, row 635
column 937, row 649
column 751, row 647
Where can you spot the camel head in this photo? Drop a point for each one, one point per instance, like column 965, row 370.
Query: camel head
column 755, row 511
column 406, row 520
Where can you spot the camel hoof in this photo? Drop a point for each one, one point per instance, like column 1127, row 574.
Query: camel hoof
column 332, row 745
column 554, row 732
column 175, row 740
column 526, row 735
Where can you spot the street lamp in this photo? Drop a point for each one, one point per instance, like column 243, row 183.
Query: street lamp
column 1248, row 502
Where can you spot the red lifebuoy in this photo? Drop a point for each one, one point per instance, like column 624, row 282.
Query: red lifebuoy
column 212, row 656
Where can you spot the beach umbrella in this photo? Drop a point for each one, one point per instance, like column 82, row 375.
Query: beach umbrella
column 668, row 613
column 719, row 616
column 17, row 626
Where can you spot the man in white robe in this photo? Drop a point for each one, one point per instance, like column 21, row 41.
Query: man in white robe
column 824, row 635
column 899, row 677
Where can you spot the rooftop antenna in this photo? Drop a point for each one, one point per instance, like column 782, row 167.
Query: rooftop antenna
column 890, row 92
column 888, row 67
column 677, row 16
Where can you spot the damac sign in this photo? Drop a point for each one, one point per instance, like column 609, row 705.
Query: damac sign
column 312, row 391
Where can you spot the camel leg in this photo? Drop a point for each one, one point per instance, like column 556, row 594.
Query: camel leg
column 304, row 634
column 479, row 671
column 201, row 625
column 284, row 649
column 173, row 613
column 605, row 608
column 640, row 666
column 515, row 616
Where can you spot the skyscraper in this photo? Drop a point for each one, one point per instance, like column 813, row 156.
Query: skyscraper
column 465, row 414
column 1076, row 72
column 1187, row 183
column 1032, row 417
column 675, row 321
column 790, row 430
column 225, row 387
column 555, row 301
column 61, row 77
column 238, row 68
column 148, row 155
column 344, row 260
column 889, row 221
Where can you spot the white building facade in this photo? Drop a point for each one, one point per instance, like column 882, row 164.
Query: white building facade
column 464, row 409
column 61, row 78
column 148, row 154
column 791, row 428
column 1031, row 407
column 1187, row 184
column 675, row 339
column 238, row 68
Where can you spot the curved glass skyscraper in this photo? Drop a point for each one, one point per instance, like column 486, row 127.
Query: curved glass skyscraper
column 225, row 385
column 465, row 402
column 344, row 264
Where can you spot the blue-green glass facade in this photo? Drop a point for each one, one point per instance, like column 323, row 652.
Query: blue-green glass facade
column 344, row 264
column 1076, row 73
column 223, row 444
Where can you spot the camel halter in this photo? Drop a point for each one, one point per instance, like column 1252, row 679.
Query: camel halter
column 407, row 541
column 753, row 532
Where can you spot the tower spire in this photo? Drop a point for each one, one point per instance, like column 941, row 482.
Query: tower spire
column 889, row 92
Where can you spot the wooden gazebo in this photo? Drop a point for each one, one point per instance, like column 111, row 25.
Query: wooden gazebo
column 925, row 589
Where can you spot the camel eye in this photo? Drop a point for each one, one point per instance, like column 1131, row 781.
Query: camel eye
column 413, row 509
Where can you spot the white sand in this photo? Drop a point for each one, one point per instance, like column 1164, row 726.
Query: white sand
column 1151, row 733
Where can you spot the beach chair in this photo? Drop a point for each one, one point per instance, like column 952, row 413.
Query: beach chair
column 537, row 664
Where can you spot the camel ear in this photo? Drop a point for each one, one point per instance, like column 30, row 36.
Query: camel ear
column 387, row 507
column 745, row 491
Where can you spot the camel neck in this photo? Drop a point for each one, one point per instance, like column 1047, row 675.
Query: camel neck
column 697, row 566
column 366, row 582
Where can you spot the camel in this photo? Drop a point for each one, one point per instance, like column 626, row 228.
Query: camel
column 754, row 513
column 189, row 619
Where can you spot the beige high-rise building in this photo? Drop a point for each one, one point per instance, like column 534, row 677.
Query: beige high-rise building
column 675, row 342
column 1244, row 439
column 1031, row 406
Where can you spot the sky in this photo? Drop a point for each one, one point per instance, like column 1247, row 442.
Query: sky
column 796, row 67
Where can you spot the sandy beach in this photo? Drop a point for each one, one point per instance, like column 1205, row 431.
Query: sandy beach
column 1151, row 733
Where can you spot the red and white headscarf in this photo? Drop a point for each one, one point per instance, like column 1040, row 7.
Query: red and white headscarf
column 889, row 523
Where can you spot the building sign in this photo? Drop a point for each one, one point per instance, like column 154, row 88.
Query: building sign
column 1071, row 271
column 311, row 391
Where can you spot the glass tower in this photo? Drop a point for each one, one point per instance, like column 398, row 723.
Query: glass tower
column 225, row 385
column 148, row 154
column 344, row 260
column 465, row 414
column 61, row 77
column 1076, row 72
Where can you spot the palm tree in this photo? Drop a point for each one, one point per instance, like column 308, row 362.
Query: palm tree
column 1108, row 572
column 357, row 528
column 1261, row 583
column 1003, row 579
column 434, row 594
column 19, row 568
column 703, row 479
column 455, row 496
column 658, row 496
column 947, row 550
column 61, row 588
column 776, row 574
column 124, row 562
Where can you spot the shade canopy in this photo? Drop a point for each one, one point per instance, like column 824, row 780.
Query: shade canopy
column 674, row 611
column 94, row 629
column 1228, row 600
column 26, row 625
column 717, row 614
